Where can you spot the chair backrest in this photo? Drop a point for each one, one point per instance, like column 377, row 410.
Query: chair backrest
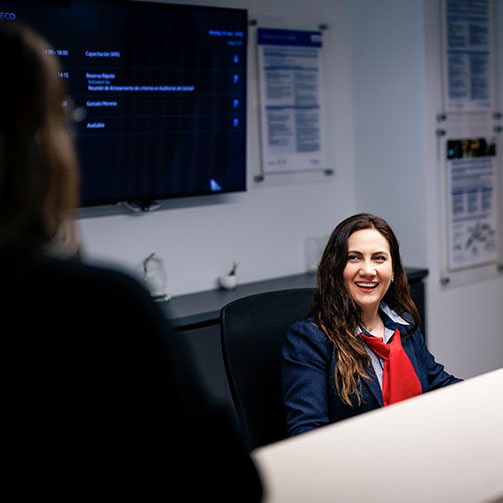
column 252, row 332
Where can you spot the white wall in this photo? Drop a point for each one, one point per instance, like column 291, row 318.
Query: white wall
column 396, row 86
column 265, row 228
column 382, row 94
column 465, row 322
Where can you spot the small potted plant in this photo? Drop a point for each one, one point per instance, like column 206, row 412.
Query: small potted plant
column 230, row 280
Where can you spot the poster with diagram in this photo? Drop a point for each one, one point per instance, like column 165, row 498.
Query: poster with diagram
column 289, row 65
column 472, row 203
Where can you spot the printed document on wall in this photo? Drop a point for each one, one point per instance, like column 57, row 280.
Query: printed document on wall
column 468, row 56
column 291, row 103
column 472, row 204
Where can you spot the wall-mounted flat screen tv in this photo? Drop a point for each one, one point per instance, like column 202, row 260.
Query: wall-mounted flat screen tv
column 158, row 91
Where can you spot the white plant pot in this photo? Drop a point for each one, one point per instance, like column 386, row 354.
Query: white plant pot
column 228, row 282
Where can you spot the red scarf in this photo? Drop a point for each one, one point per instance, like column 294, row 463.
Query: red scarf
column 399, row 377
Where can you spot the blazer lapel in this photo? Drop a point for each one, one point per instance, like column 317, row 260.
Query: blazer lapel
column 373, row 386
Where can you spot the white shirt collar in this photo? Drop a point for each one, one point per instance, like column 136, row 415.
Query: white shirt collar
column 392, row 314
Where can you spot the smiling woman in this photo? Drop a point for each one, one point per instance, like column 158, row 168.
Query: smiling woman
column 361, row 346
column 368, row 274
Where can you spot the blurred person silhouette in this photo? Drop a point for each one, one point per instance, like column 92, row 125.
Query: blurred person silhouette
column 360, row 347
column 101, row 398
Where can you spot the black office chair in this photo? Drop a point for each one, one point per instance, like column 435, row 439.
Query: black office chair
column 252, row 332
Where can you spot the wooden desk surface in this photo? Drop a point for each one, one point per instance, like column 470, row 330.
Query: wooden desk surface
column 442, row 447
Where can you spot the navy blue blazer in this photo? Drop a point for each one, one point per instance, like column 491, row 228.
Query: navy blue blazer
column 308, row 362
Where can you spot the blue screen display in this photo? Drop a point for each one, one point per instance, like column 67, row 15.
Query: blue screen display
column 157, row 93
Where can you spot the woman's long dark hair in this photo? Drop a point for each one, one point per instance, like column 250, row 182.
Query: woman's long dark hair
column 338, row 315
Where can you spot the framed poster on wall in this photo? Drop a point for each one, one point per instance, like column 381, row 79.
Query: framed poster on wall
column 470, row 160
column 468, row 62
column 291, row 103
column 472, row 204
